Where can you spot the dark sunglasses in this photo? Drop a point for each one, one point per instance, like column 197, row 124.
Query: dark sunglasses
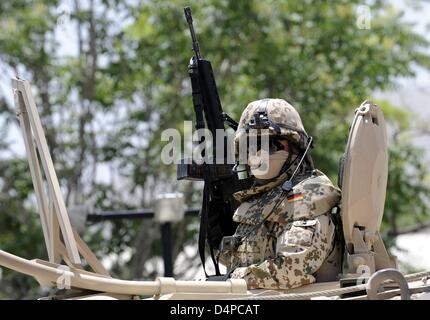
column 256, row 144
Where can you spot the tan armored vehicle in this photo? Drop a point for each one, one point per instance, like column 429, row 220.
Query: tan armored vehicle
column 370, row 272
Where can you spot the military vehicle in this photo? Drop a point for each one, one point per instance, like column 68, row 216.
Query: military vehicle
column 369, row 271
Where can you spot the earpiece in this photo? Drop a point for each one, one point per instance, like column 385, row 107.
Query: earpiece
column 288, row 185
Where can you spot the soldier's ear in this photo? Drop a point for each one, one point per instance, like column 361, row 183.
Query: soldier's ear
column 285, row 144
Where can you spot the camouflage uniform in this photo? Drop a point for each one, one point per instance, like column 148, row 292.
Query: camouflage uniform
column 285, row 236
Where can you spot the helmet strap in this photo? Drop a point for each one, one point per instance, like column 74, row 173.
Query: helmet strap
column 288, row 185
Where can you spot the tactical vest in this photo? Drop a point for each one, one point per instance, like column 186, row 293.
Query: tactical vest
column 259, row 228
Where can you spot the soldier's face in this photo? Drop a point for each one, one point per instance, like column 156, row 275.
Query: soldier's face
column 266, row 164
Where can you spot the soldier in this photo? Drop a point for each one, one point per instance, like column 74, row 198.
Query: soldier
column 285, row 230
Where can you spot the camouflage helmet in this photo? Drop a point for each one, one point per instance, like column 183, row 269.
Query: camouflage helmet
column 277, row 116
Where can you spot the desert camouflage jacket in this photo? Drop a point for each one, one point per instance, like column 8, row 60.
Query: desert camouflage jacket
column 282, row 238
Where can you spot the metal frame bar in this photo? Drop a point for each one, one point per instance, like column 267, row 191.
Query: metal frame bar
column 52, row 208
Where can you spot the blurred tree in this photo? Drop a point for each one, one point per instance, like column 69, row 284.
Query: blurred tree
column 311, row 53
column 105, row 105
column 24, row 41
column 73, row 107
column 408, row 195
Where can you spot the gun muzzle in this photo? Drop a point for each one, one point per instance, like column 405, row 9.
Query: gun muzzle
column 188, row 16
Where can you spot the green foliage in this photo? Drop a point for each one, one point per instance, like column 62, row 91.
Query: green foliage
column 312, row 55
column 107, row 104
column 408, row 194
column 19, row 228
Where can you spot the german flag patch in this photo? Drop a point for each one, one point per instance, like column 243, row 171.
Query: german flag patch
column 295, row 197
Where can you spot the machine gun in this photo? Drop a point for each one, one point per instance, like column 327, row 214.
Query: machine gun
column 220, row 181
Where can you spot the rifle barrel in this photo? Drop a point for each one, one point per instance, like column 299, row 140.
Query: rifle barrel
column 189, row 17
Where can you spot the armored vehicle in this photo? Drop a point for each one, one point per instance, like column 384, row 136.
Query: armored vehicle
column 369, row 272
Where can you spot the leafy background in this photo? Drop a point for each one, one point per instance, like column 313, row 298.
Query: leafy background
column 109, row 76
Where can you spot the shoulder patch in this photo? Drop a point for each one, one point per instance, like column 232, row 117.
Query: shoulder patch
column 309, row 199
column 295, row 197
